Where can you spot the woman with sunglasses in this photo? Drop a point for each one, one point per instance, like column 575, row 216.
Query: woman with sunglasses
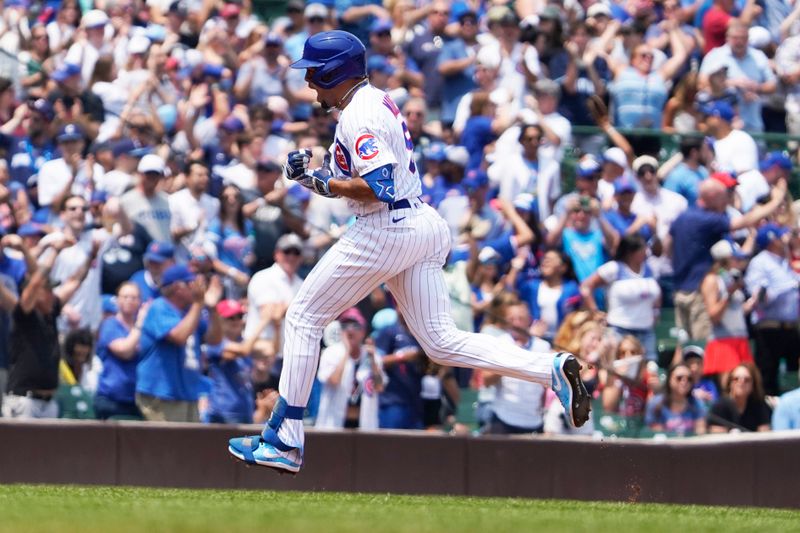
column 743, row 406
column 232, row 233
column 677, row 411
column 639, row 92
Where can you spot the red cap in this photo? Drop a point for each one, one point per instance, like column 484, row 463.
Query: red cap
column 230, row 10
column 229, row 308
column 353, row 315
column 171, row 63
column 725, row 178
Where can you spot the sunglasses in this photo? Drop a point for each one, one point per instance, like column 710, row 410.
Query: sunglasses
column 234, row 317
column 77, row 208
column 682, row 378
column 316, row 20
column 529, row 139
column 384, row 34
column 292, row 251
column 645, row 55
column 353, row 326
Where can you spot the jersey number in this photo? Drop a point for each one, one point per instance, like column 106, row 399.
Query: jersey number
column 389, row 103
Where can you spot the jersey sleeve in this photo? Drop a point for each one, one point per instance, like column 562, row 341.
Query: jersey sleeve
column 609, row 271
column 377, row 135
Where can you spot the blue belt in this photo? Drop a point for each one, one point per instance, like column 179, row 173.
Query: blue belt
column 401, row 204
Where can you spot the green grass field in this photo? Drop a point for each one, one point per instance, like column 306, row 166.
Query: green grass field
column 26, row 508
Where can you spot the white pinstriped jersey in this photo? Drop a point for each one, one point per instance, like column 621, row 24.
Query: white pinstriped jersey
column 372, row 133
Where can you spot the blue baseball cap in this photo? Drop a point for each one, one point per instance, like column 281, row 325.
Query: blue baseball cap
column 718, row 108
column 45, row 108
column 177, row 273
column 587, row 167
column 159, row 251
column 109, row 303
column 66, row 71
column 381, row 64
column 768, row 233
column 299, row 194
column 525, row 201
column 70, row 132
column 475, row 179
column 778, row 159
column 123, row 147
column 232, row 124
column 381, row 25
column 30, row 229
column 435, row 151
column 623, row 185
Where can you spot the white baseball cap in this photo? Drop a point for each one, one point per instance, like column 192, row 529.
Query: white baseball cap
column 643, row 160
column 138, row 44
column 152, row 163
column 457, row 155
column 94, row 18
column 488, row 57
column 315, row 10
column 616, row 155
column 600, row 8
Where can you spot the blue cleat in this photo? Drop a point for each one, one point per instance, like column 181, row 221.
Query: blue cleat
column 570, row 389
column 256, row 451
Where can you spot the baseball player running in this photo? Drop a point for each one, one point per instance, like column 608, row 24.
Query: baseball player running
column 396, row 239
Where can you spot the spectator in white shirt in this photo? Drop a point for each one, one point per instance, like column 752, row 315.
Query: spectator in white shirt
column 351, row 378
column 192, row 210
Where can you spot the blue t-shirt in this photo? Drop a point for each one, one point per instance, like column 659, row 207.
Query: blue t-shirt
column 147, row 291
column 26, row 159
column 117, row 381
column 685, row 181
column 12, row 272
column 231, row 397
column 168, row 371
column 621, row 223
column 457, row 85
column 434, row 194
column 585, row 250
column 232, row 246
column 674, row 423
column 405, row 379
column 693, row 233
column 476, row 135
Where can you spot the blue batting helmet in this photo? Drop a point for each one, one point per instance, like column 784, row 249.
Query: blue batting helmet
column 336, row 55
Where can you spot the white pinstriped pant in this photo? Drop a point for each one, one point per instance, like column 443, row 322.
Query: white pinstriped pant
column 408, row 256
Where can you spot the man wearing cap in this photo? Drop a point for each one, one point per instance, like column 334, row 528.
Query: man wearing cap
column 276, row 285
column 622, row 219
column 587, row 178
column 231, row 400
column 69, row 174
column 126, row 158
column 261, row 76
column 615, row 165
column 748, row 71
column 158, row 257
column 455, row 201
column 315, row 16
column 30, row 152
column 267, row 208
column 659, row 205
column 457, row 65
column 168, row 375
column 78, row 104
column 146, row 205
column 734, row 149
column 192, row 210
column 690, row 239
column 85, row 52
column 381, row 43
column 777, row 310
column 351, row 378
column 754, row 185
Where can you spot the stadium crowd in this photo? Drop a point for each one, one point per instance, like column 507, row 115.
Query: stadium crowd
column 151, row 243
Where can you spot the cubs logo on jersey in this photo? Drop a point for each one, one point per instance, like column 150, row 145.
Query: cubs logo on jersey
column 342, row 158
column 367, row 146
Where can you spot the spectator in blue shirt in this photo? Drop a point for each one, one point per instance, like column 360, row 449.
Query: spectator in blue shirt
column 230, row 366
column 118, row 349
column 168, row 376
column 685, row 178
column 457, row 65
column 787, row 413
column 400, row 402
column 691, row 237
column 12, row 274
column 622, row 219
column 158, row 257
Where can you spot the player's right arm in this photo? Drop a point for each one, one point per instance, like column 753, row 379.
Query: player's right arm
column 322, row 181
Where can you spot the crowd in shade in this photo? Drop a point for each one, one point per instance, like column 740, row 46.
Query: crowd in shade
column 601, row 165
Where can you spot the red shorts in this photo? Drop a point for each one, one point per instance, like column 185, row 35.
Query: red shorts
column 723, row 355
